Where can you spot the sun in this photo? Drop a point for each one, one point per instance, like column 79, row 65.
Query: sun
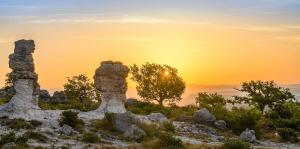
column 166, row 73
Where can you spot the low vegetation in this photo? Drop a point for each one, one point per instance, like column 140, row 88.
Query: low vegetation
column 235, row 144
column 20, row 141
column 71, row 118
column 17, row 124
column 36, row 136
column 90, row 137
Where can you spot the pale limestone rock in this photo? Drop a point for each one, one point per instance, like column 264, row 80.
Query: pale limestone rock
column 110, row 80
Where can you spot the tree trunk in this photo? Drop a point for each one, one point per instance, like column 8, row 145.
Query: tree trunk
column 161, row 102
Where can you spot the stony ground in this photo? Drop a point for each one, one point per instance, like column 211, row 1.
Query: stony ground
column 188, row 132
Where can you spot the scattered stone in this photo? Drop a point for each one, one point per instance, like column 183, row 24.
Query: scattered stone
column 66, row 130
column 220, row 124
column 134, row 133
column 248, row 135
column 203, row 116
column 157, row 118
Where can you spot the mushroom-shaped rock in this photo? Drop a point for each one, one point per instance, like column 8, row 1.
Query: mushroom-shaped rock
column 110, row 81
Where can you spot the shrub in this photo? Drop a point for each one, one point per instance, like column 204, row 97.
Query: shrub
column 18, row 124
column 151, row 130
column 90, row 138
column 7, row 138
column 70, row 104
column 35, row 123
column 71, row 118
column 235, row 144
column 104, row 124
column 168, row 127
column 167, row 141
column 36, row 136
column 287, row 134
column 11, row 137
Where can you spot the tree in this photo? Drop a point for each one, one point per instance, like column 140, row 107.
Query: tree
column 264, row 94
column 210, row 100
column 80, row 87
column 8, row 90
column 8, row 81
column 157, row 82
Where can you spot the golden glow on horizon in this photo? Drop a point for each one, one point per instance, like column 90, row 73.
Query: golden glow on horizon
column 204, row 54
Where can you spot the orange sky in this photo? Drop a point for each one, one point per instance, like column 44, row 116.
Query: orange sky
column 212, row 50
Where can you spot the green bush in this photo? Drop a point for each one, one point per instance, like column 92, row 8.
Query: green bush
column 7, row 138
column 288, row 134
column 104, row 124
column 70, row 104
column 235, row 144
column 36, row 136
column 168, row 127
column 18, row 124
column 71, row 118
column 167, row 141
column 90, row 138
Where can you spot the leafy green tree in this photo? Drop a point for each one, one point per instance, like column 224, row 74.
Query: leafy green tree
column 80, row 87
column 210, row 100
column 264, row 94
column 157, row 82
column 8, row 89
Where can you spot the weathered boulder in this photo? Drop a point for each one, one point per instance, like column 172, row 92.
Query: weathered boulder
column 58, row 97
column 66, row 130
column 203, row 116
column 248, row 135
column 157, row 118
column 134, row 133
column 123, row 121
column 110, row 81
column 44, row 95
column 220, row 124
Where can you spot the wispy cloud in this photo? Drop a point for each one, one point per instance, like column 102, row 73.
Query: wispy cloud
column 263, row 28
column 136, row 39
column 128, row 19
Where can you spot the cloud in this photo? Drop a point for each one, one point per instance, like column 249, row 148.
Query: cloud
column 136, row 39
column 263, row 28
column 128, row 19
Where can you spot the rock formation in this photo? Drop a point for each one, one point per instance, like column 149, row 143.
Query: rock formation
column 110, row 80
column 24, row 104
column 24, row 80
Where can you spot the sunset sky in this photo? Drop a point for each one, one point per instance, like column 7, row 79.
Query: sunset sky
column 210, row 42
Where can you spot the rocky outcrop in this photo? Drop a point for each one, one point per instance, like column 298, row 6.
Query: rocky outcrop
column 248, row 135
column 110, row 81
column 203, row 116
